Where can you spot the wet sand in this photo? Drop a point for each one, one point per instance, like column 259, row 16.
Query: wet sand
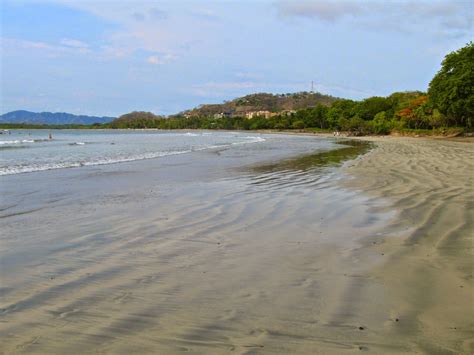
column 243, row 252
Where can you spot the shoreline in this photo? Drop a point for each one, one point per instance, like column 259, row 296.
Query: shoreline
column 468, row 137
column 179, row 267
column 428, row 245
column 208, row 253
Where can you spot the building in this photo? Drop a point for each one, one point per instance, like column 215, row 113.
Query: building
column 262, row 113
column 223, row 114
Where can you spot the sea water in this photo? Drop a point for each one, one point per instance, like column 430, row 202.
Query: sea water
column 25, row 151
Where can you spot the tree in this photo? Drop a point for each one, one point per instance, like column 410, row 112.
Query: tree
column 298, row 124
column 452, row 88
column 368, row 108
column 417, row 113
column 339, row 112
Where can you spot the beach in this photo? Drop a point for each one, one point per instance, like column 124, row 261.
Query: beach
column 284, row 248
column 430, row 264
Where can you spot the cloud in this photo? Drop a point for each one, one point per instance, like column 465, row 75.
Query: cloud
column 205, row 14
column 135, row 27
column 137, row 16
column 158, row 60
column 151, row 14
column 64, row 47
column 219, row 89
column 155, row 60
column 329, row 11
column 226, row 89
column 74, row 43
column 157, row 14
column 434, row 17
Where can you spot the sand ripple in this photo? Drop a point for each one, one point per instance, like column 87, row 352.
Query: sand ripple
column 429, row 271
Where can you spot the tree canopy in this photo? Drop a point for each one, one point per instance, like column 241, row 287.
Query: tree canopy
column 452, row 88
column 449, row 102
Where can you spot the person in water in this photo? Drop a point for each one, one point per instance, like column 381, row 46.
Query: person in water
column 50, row 135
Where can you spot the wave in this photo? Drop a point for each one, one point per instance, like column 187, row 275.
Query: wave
column 106, row 161
column 17, row 141
column 253, row 140
column 76, row 164
column 23, row 141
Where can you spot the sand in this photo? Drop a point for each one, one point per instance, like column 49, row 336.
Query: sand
column 429, row 264
column 205, row 254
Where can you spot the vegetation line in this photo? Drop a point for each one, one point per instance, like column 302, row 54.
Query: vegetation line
column 446, row 109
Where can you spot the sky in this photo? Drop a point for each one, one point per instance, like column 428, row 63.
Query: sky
column 110, row 57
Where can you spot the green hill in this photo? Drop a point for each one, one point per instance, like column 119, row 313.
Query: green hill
column 262, row 102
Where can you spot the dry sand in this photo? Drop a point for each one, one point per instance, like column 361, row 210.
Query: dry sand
column 429, row 266
column 279, row 261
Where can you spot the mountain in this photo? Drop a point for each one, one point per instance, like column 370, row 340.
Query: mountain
column 263, row 102
column 52, row 118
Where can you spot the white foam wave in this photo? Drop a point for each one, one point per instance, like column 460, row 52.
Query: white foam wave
column 106, row 161
column 17, row 141
column 251, row 139
column 151, row 155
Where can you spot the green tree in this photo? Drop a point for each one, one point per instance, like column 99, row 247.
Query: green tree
column 368, row 108
column 452, row 88
column 298, row 124
column 339, row 112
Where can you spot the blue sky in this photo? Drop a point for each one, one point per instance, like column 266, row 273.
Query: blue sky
column 109, row 57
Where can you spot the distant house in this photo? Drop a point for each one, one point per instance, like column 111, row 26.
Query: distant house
column 288, row 112
column 223, row 114
column 262, row 113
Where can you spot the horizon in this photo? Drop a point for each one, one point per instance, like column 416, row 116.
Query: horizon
column 102, row 58
column 176, row 113
column 189, row 109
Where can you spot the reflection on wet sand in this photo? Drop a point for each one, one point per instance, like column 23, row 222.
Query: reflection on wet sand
column 204, row 265
column 308, row 169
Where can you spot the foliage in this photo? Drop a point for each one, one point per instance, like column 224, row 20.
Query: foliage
column 263, row 102
column 449, row 103
column 368, row 108
column 452, row 88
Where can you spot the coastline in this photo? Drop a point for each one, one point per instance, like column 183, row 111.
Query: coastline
column 215, row 251
column 208, row 285
column 429, row 260
column 428, row 256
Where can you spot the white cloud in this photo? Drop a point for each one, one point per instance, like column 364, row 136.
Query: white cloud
column 64, row 47
column 160, row 59
column 141, row 25
column 154, row 59
column 73, row 43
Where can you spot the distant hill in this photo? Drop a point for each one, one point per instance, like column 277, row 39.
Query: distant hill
column 51, row 118
column 263, row 102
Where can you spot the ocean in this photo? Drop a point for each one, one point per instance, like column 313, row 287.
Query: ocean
column 25, row 151
column 161, row 242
